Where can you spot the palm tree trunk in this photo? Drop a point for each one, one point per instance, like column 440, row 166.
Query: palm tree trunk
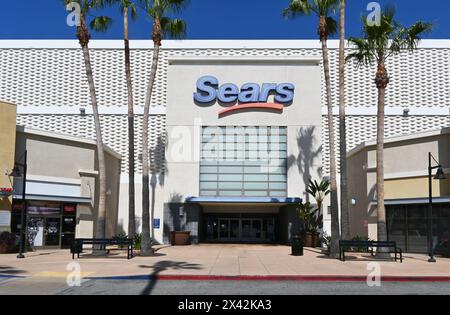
column 381, row 211
column 146, row 238
column 131, row 167
column 101, row 216
column 335, row 233
column 345, row 215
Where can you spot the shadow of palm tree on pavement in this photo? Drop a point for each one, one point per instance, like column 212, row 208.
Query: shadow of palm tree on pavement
column 163, row 266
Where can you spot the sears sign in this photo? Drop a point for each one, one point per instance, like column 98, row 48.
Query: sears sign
column 248, row 96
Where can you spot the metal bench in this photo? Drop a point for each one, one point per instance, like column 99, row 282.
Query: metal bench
column 78, row 244
column 345, row 246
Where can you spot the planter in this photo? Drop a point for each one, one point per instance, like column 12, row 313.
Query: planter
column 316, row 240
column 308, row 240
column 6, row 249
column 180, row 238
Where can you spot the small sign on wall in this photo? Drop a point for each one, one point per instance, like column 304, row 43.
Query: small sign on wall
column 156, row 223
column 5, row 218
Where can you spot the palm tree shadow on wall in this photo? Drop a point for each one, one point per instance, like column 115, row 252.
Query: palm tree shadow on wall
column 163, row 266
column 308, row 153
column 158, row 171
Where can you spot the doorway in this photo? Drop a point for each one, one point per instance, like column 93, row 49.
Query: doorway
column 240, row 228
column 44, row 232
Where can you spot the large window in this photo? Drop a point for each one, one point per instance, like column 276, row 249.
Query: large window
column 243, row 161
column 408, row 226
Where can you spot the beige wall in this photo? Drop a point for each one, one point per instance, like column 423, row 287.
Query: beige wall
column 7, row 149
column 406, row 169
column 68, row 159
column 416, row 187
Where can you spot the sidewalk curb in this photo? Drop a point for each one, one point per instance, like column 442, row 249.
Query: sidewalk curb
column 272, row 278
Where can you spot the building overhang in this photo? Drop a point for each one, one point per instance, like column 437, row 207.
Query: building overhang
column 243, row 200
column 68, row 199
column 413, row 201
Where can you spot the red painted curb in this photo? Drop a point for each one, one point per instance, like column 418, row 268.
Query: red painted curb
column 298, row 278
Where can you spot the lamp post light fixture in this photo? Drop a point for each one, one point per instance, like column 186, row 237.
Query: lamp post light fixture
column 16, row 173
column 439, row 176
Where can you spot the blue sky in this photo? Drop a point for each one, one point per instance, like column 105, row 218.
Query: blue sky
column 213, row 19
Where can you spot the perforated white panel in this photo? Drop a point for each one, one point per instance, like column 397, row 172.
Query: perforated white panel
column 56, row 77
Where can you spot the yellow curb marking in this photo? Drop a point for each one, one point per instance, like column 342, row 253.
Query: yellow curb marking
column 59, row 274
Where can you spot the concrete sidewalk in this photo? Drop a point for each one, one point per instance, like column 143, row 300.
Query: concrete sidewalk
column 215, row 260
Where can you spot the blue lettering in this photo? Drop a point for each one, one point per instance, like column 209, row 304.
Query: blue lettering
column 285, row 93
column 249, row 93
column 228, row 93
column 265, row 91
column 206, row 89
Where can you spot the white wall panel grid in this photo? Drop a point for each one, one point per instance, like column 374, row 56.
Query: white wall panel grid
column 55, row 78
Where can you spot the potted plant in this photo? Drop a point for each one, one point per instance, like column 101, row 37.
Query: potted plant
column 319, row 191
column 7, row 242
column 307, row 216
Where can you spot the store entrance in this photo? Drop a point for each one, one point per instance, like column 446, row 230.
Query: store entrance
column 44, row 231
column 240, row 228
column 48, row 224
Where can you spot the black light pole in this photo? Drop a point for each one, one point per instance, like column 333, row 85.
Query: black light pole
column 439, row 176
column 16, row 173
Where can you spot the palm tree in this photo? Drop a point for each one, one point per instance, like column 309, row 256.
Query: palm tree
column 99, row 24
column 127, row 6
column 378, row 44
column 327, row 26
column 345, row 215
column 163, row 25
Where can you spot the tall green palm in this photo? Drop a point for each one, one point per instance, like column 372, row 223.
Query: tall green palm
column 345, row 215
column 127, row 7
column 99, row 24
column 378, row 44
column 327, row 26
column 163, row 26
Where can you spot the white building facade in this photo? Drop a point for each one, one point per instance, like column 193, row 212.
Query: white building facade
column 189, row 189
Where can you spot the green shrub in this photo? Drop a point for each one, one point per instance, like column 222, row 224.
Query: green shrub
column 121, row 237
column 359, row 249
column 137, row 241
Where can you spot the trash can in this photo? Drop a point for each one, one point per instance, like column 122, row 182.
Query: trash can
column 297, row 246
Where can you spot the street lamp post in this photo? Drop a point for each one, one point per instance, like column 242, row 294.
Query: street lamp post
column 439, row 176
column 16, row 173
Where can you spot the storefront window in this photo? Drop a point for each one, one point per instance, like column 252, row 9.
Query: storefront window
column 49, row 224
column 408, row 226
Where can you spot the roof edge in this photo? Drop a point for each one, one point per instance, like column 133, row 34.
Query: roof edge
column 191, row 44
column 412, row 136
column 55, row 135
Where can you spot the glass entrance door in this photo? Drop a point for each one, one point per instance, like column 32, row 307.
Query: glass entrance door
column 251, row 230
column 240, row 228
column 228, row 230
column 52, row 231
column 44, row 231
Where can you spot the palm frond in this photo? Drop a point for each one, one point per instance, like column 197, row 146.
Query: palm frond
column 332, row 26
column 297, row 8
column 173, row 28
column 101, row 23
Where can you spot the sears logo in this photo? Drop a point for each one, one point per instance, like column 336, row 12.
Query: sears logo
column 248, row 96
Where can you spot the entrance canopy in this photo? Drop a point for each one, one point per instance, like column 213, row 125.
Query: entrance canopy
column 240, row 200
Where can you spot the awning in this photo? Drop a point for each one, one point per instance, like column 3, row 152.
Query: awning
column 267, row 200
column 413, row 201
column 68, row 199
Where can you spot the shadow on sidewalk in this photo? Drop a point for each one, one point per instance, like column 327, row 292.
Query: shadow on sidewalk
column 161, row 266
column 9, row 271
